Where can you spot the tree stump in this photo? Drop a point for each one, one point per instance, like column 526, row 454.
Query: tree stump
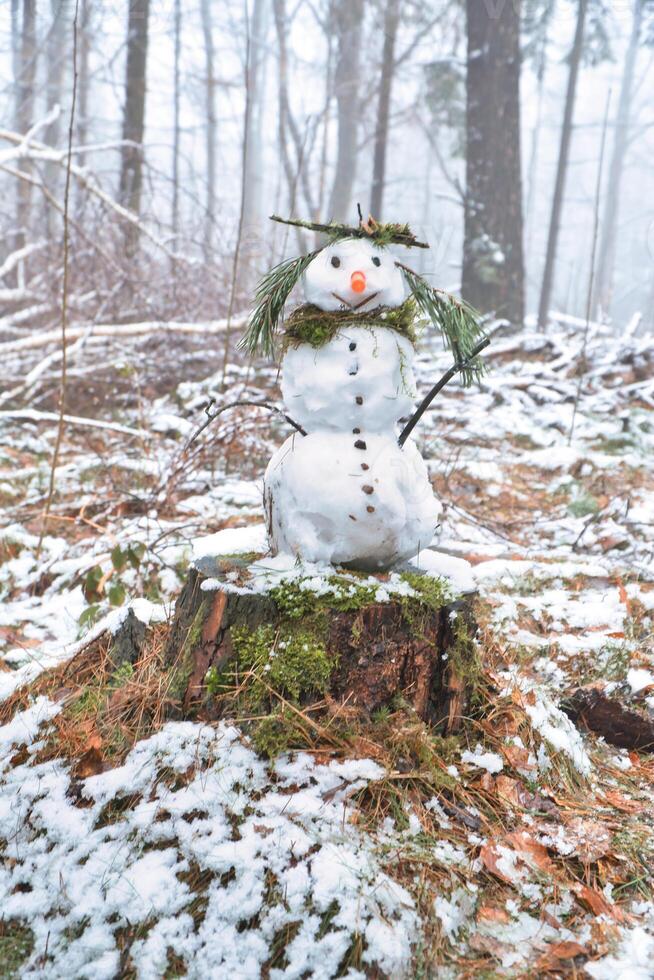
column 377, row 646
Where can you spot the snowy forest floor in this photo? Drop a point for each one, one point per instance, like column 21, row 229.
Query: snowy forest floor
column 137, row 846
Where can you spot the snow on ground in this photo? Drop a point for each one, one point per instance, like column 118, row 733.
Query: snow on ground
column 275, row 845
column 196, row 854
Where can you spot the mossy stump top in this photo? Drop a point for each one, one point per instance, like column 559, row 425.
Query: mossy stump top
column 251, row 637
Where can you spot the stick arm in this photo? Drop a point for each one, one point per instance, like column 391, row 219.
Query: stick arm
column 429, row 397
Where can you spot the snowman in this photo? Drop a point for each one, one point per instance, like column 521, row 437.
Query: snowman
column 342, row 489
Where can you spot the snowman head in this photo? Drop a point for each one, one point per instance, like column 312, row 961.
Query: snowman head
column 353, row 273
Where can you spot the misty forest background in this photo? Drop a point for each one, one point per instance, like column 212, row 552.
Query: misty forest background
column 481, row 124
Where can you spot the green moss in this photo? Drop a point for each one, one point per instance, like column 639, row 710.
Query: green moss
column 310, row 325
column 292, row 662
column 611, row 663
column 343, row 594
column 431, row 592
column 430, row 595
column 583, row 505
column 16, row 944
column 276, row 733
column 463, row 655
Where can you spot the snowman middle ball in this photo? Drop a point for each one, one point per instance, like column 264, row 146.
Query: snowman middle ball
column 347, row 493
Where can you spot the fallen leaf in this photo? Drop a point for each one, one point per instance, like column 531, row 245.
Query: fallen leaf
column 591, row 840
column 517, row 757
column 488, row 913
column 514, row 792
column 597, row 903
column 89, row 764
column 531, row 852
column 556, row 952
column 486, row 944
column 508, row 857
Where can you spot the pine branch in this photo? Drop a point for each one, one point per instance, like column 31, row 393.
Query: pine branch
column 457, row 322
column 271, row 296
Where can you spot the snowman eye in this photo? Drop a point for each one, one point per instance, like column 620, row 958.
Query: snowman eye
column 376, row 260
column 336, row 261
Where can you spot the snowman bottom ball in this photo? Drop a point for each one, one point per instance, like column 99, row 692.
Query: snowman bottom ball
column 364, row 502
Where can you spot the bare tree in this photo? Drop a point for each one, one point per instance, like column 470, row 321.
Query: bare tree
column 56, row 59
column 493, row 272
column 606, row 263
column 292, row 142
column 83, row 53
column 131, row 173
column 253, row 174
column 210, row 135
column 562, row 166
column 391, row 21
column 177, row 29
column 348, row 21
column 24, row 79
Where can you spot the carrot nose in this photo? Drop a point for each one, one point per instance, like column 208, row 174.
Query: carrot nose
column 358, row 282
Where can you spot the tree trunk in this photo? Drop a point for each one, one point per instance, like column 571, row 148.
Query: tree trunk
column 253, row 165
column 378, row 651
column 562, row 167
column 24, row 111
column 57, row 58
column 606, row 261
column 348, row 17
column 131, row 173
column 176, row 117
column 391, row 20
column 82, row 96
column 210, row 136
column 493, row 272
column 83, row 84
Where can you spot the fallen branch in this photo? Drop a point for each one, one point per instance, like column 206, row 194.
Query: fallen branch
column 31, row 415
column 120, row 330
column 620, row 724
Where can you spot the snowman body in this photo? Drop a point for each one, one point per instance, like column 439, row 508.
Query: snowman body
column 347, row 493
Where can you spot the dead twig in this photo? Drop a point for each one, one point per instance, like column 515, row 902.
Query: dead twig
column 591, row 275
column 64, row 301
column 239, row 404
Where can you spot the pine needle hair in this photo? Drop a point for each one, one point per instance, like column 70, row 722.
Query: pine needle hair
column 457, row 322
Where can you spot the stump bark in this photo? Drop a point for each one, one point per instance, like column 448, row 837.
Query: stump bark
column 378, row 651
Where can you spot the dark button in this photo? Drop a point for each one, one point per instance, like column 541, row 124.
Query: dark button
column 367, row 488
column 364, row 466
column 360, row 444
column 356, row 431
column 371, row 510
column 353, row 346
column 359, row 400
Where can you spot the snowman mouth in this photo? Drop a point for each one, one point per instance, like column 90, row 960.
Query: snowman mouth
column 355, row 306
